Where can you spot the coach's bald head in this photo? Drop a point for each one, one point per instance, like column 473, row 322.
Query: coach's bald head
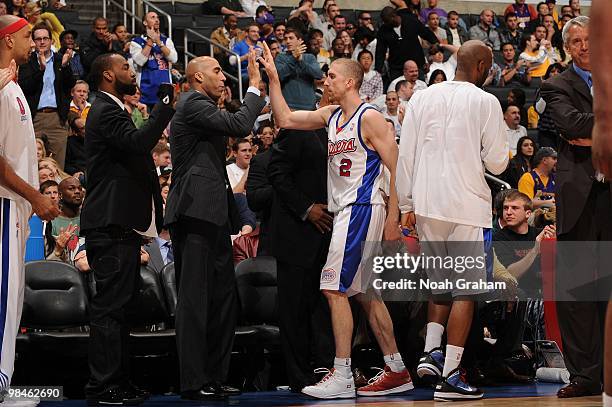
column 206, row 76
column 474, row 61
column 17, row 45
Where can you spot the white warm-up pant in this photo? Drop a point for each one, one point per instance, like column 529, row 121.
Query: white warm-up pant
column 13, row 235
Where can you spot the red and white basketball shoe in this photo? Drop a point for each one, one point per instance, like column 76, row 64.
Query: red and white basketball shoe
column 387, row 382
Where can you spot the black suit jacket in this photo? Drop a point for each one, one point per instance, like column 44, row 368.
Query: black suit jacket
column 121, row 179
column 31, row 81
column 298, row 174
column 404, row 48
column 260, row 195
column 570, row 103
column 199, row 187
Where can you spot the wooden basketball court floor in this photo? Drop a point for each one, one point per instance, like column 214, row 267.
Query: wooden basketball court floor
column 536, row 395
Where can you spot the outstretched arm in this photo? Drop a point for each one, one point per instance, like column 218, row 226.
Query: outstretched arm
column 386, row 147
column 284, row 117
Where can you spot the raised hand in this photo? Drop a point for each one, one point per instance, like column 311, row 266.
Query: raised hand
column 67, row 57
column 253, row 69
column 42, row 61
column 268, row 63
column 8, row 74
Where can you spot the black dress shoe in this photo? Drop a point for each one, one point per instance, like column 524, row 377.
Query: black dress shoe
column 207, row 392
column 114, row 396
column 228, row 390
column 138, row 391
column 575, row 389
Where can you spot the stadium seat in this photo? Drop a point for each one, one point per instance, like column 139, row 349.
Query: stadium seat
column 188, row 8
column 182, row 21
column 168, row 282
column 533, row 133
column 257, row 289
column 149, row 305
column 208, row 21
column 66, row 16
column 165, row 6
column 281, row 13
column 83, row 28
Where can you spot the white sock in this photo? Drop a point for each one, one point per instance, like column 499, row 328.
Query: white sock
column 452, row 360
column 343, row 366
column 607, row 400
column 395, row 362
column 434, row 336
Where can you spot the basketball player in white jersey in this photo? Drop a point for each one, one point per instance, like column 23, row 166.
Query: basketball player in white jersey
column 451, row 133
column 358, row 147
column 18, row 186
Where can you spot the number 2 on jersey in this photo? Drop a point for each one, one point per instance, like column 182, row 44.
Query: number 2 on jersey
column 345, row 167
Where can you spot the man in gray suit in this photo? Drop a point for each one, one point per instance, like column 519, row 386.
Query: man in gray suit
column 199, row 213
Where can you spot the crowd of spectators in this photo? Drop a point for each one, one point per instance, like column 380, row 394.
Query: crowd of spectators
column 410, row 48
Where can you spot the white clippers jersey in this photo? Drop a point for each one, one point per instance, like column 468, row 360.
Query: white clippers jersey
column 17, row 143
column 355, row 172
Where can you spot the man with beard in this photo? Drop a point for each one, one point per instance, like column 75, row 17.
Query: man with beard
column 64, row 230
column 99, row 42
column 452, row 201
column 120, row 169
column 19, row 194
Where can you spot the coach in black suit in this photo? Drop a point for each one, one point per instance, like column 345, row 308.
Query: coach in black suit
column 121, row 188
column 299, row 239
column 199, row 213
column 584, row 214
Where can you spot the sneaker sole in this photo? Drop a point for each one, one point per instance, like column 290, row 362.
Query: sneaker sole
column 400, row 389
column 427, row 369
column 445, row 396
column 344, row 395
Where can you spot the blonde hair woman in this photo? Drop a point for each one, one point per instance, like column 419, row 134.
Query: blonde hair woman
column 50, row 163
column 34, row 15
column 41, row 151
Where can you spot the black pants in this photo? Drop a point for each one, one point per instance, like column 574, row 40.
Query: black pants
column 114, row 257
column 305, row 323
column 581, row 321
column 206, row 310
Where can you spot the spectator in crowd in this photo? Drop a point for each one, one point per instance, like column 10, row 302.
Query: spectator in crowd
column 511, row 33
column 227, row 35
column 16, row 7
column 265, row 133
column 365, row 39
column 279, row 32
column 539, row 183
column 521, row 162
column 297, row 71
column 551, row 30
column 552, row 10
column 76, row 156
column 122, row 35
column 364, row 20
column 372, row 85
column 100, row 42
column 517, row 245
column 79, row 106
column 152, row 54
column 575, row 4
column 250, row 7
column 35, row 16
column 455, row 33
column 49, row 188
column 538, row 55
column 225, row 7
column 305, row 15
column 46, row 174
column 315, row 49
column 339, row 25
column 542, row 10
column 265, row 20
column 410, row 74
column 414, row 6
column 275, row 48
column 251, row 40
column 3, row 9
column 485, row 32
column 514, row 72
column 161, row 156
column 138, row 111
column 63, row 232
column 399, row 35
column 41, row 150
column 432, row 7
column 524, row 13
column 239, row 171
column 436, row 60
column 433, row 23
column 547, row 130
column 517, row 97
column 338, row 50
column 347, row 42
column 160, row 250
column 392, row 112
column 437, row 76
column 514, row 130
column 46, row 81
column 50, row 164
column 68, row 40
column 404, row 90
column 567, row 10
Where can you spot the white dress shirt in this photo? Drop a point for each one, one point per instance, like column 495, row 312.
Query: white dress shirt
column 451, row 133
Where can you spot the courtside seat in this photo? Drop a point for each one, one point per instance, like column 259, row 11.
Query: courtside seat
column 258, row 293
